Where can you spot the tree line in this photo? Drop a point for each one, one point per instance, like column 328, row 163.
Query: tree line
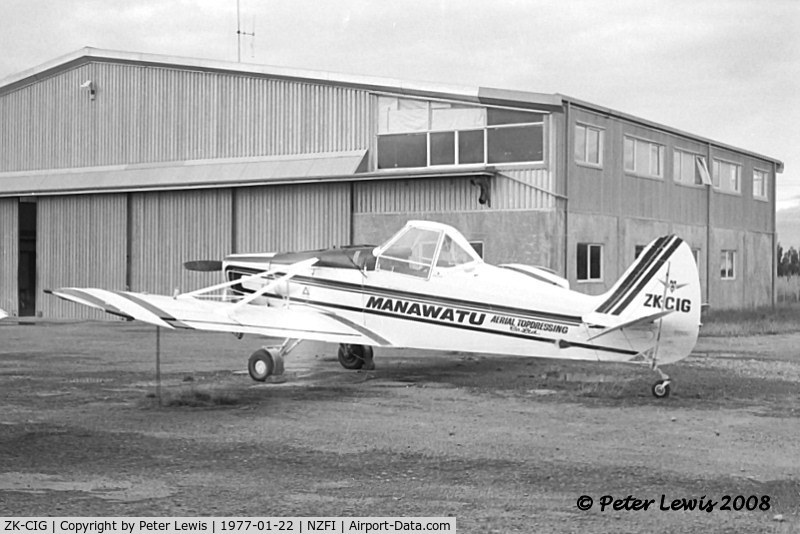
column 788, row 261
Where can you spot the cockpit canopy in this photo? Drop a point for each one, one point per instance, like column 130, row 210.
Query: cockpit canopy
column 422, row 246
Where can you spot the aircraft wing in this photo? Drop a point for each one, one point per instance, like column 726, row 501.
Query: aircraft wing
column 296, row 321
column 3, row 314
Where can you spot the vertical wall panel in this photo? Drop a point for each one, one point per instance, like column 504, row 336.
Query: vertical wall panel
column 9, row 254
column 81, row 242
column 292, row 217
column 170, row 228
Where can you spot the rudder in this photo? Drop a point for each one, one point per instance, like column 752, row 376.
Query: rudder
column 663, row 279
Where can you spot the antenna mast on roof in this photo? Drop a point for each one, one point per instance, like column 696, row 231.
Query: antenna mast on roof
column 239, row 33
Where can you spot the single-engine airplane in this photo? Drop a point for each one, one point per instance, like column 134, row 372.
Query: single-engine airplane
column 427, row 288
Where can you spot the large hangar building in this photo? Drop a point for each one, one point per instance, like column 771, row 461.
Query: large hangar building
column 116, row 167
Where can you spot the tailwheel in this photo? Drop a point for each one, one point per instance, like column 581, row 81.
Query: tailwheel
column 661, row 389
column 356, row 357
column 264, row 363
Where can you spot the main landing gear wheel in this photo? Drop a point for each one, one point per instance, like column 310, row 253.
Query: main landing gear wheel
column 356, row 357
column 661, row 389
column 264, row 363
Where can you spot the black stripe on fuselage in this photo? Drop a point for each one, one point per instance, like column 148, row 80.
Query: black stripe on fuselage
column 645, row 262
column 326, row 283
column 462, row 326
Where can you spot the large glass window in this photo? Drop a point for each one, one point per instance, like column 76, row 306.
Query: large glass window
column 443, row 148
column 402, row 150
column 519, row 143
column 470, row 146
column 419, row 133
column 643, row 157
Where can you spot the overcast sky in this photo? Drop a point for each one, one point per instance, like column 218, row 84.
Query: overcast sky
column 728, row 70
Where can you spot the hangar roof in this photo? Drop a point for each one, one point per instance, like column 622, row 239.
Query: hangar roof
column 484, row 95
column 481, row 95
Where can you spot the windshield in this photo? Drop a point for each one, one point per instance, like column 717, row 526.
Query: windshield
column 412, row 253
column 452, row 254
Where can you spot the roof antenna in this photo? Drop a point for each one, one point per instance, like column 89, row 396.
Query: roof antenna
column 239, row 32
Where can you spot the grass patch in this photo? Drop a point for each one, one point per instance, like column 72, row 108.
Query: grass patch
column 782, row 319
column 788, row 289
column 198, row 398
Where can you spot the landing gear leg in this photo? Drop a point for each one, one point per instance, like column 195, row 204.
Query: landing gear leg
column 268, row 361
column 661, row 388
column 356, row 357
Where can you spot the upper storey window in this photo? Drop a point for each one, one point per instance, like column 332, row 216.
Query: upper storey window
column 689, row 168
column 419, row 133
column 760, row 184
column 588, row 145
column 644, row 158
column 727, row 176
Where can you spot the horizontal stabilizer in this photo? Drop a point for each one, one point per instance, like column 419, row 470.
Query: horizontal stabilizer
column 631, row 323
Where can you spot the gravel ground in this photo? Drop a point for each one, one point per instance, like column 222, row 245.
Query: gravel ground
column 502, row 444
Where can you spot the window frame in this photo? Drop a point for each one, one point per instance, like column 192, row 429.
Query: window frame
column 589, row 248
column 584, row 160
column 764, row 197
column 424, row 269
column 661, row 150
column 699, row 167
column 716, row 176
column 727, row 264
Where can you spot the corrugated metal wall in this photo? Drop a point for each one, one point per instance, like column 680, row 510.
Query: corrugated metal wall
column 297, row 217
column 170, row 228
column 9, row 253
column 522, row 189
column 144, row 114
column 415, row 195
column 80, row 243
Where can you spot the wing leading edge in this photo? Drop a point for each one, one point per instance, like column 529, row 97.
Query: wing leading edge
column 295, row 321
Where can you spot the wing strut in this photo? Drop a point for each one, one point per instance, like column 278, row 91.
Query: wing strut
column 291, row 271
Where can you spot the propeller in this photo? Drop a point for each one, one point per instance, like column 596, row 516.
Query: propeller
column 203, row 265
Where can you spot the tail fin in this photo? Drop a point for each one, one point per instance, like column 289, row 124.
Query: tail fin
column 662, row 284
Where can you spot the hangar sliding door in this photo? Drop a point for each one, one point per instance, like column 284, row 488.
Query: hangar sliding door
column 171, row 227
column 9, row 254
column 81, row 242
column 292, row 217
